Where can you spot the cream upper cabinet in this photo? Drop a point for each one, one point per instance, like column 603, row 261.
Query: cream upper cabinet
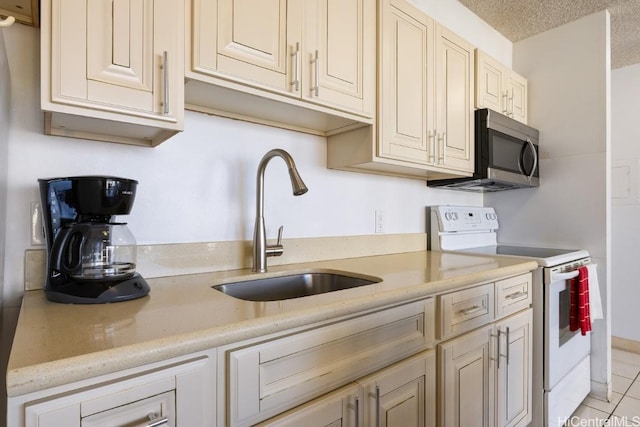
column 253, row 41
column 407, row 97
column 338, row 54
column 425, row 102
column 314, row 54
column 500, row 88
column 454, row 95
column 113, row 69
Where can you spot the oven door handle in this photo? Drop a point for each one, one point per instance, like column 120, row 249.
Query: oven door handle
column 556, row 277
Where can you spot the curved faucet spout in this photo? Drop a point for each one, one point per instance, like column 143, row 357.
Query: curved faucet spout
column 260, row 249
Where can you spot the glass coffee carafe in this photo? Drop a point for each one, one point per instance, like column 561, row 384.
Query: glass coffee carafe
column 95, row 251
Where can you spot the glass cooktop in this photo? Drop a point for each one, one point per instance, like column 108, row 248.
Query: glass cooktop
column 546, row 257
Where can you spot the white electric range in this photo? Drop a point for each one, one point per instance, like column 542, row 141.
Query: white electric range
column 561, row 358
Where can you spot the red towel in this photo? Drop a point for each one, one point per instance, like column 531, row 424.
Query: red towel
column 579, row 313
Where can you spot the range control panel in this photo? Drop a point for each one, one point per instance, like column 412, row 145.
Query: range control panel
column 464, row 218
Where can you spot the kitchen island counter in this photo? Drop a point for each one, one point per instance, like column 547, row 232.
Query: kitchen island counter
column 56, row 344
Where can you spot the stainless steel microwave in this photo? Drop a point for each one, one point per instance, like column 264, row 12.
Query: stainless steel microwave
column 506, row 156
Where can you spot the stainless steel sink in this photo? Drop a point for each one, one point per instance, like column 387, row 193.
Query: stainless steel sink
column 294, row 285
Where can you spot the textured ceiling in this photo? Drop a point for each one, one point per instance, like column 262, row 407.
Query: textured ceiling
column 519, row 19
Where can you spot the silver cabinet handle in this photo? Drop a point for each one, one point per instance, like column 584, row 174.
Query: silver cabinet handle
column 511, row 103
column 357, row 400
column 508, row 346
column 155, row 420
column 498, row 353
column 472, row 310
column 165, row 76
column 441, row 148
column 505, row 102
column 516, row 295
column 316, row 62
column 506, row 334
column 431, row 146
column 377, row 405
column 296, row 72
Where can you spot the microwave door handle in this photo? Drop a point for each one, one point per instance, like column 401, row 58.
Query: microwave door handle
column 535, row 158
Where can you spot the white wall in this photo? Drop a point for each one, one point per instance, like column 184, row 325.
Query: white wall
column 4, row 149
column 568, row 70
column 625, row 211
column 200, row 185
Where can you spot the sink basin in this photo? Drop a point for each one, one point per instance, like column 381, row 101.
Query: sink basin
column 294, row 285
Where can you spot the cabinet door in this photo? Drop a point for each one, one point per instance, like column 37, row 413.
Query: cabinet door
column 467, row 380
column 342, row 408
column 117, row 55
column 514, row 370
column 490, row 78
column 516, row 88
column 455, row 90
column 338, row 58
column 257, row 41
column 407, row 93
column 403, row 394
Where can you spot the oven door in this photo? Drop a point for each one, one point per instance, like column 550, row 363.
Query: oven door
column 563, row 349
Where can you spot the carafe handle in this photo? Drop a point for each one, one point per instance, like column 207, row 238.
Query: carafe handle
column 57, row 260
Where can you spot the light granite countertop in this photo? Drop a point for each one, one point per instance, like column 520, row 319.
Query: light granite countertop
column 56, row 344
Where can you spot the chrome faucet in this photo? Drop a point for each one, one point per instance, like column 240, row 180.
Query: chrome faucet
column 260, row 248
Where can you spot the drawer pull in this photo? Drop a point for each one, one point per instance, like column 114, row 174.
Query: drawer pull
column 472, row 310
column 516, row 295
column 357, row 412
column 155, row 421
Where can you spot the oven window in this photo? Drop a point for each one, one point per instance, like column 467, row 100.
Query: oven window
column 564, row 304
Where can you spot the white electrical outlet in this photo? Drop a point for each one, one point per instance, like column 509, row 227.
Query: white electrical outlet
column 379, row 221
column 37, row 228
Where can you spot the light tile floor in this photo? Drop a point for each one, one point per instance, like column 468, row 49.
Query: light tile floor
column 624, row 409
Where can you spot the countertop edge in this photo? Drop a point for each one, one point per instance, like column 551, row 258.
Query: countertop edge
column 29, row 379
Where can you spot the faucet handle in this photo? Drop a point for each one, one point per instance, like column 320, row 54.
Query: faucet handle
column 277, row 249
column 279, row 243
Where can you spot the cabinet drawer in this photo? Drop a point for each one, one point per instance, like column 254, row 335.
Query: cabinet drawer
column 464, row 310
column 156, row 409
column 268, row 378
column 513, row 294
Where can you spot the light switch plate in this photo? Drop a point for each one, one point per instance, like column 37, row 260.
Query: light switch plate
column 37, row 228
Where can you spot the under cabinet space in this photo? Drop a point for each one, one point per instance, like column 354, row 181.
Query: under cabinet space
column 305, row 65
column 123, row 81
column 424, row 125
column 268, row 378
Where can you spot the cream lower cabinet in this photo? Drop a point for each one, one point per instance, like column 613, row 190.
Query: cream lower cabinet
column 269, row 377
column 179, row 393
column 113, row 70
column 425, row 109
column 402, row 395
column 500, row 88
column 485, row 374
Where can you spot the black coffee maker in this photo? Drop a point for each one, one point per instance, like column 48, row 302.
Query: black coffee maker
column 90, row 258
